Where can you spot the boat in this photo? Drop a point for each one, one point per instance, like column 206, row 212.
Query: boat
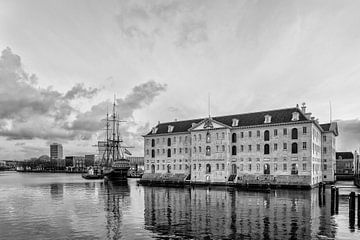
column 94, row 172
column 114, row 164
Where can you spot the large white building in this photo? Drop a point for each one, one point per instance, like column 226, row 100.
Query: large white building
column 280, row 147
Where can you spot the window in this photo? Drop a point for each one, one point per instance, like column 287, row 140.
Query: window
column 194, row 137
column 258, row 147
column 199, row 137
column 199, row 149
column 217, row 166
column 242, row 134
column 266, row 168
column 294, row 169
column 174, row 150
column 223, row 148
column 194, row 166
column 258, row 133
column 275, row 147
column 249, row 148
column 275, row 132
column 152, row 168
column 153, row 153
column 241, row 148
column 266, row 135
column 153, row 142
column 174, row 166
column 233, row 138
column 241, row 167
column 294, row 133
column 249, row 134
column 223, row 166
column 325, row 150
column 169, row 142
column 258, row 167
column 294, row 148
column 163, row 167
column 180, row 166
column 304, row 166
column 267, row 119
column 250, row 167
column 217, row 148
column 324, row 138
column 169, row 152
column 147, row 151
column 223, row 135
column 194, row 149
column 208, row 151
column 163, row 150
column 275, row 167
column 295, row 116
column 158, row 151
column 249, row 159
column 217, row 135
column 233, row 150
column 208, row 168
column 304, row 145
column 304, row 130
column 199, row 167
column 208, row 137
column 174, row 139
column 157, row 167
column 285, row 131
column 266, row 149
column 285, row 146
column 284, row 167
column 325, row 167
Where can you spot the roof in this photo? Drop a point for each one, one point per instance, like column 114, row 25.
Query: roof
column 245, row 119
column 345, row 155
column 325, row 126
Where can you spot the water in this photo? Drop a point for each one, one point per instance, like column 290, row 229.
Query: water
column 65, row 206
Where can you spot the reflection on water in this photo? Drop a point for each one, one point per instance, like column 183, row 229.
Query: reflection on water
column 215, row 213
column 64, row 206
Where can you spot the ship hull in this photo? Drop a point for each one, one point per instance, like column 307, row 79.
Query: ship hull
column 118, row 175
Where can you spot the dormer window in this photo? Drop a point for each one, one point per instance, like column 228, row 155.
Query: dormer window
column 170, row 128
column 235, row 122
column 295, row 116
column 267, row 119
column 154, row 130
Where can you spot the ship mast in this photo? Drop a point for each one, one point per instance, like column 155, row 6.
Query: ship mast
column 114, row 132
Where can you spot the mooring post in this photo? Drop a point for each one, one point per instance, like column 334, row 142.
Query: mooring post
column 337, row 200
column 358, row 210
column 332, row 200
column 352, row 211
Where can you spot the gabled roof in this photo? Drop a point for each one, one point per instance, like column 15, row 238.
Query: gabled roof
column 245, row 119
column 330, row 127
column 325, row 126
column 345, row 155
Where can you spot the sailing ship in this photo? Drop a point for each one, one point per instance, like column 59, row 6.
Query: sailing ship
column 114, row 164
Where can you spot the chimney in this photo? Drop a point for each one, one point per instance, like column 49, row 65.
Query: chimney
column 303, row 107
column 175, row 120
column 308, row 116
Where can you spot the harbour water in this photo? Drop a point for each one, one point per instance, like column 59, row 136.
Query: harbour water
column 65, row 206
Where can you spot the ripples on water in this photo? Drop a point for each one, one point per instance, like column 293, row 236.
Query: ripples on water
column 65, row 206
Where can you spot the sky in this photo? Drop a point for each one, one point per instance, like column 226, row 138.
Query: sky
column 62, row 62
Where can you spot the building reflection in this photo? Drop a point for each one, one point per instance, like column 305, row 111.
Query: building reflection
column 232, row 214
column 56, row 190
column 117, row 200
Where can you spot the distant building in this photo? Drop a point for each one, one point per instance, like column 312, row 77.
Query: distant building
column 357, row 169
column 56, row 151
column 89, row 160
column 280, row 147
column 75, row 163
column 2, row 163
column 136, row 162
column 344, row 163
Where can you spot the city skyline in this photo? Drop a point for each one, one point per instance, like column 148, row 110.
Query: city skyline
column 62, row 62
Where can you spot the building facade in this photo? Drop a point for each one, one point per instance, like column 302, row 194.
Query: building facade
column 56, row 151
column 280, row 147
column 345, row 163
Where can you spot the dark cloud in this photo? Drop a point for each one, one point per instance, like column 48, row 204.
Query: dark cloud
column 29, row 111
column 349, row 135
column 80, row 91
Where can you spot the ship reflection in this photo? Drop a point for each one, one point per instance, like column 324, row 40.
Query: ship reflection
column 231, row 214
column 117, row 199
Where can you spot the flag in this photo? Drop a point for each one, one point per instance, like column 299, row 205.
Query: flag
column 127, row 152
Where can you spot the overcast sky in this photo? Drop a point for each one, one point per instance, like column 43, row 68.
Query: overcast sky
column 63, row 61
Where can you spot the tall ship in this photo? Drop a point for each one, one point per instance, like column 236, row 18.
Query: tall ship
column 113, row 162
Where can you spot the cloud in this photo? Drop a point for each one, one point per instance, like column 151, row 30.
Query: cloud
column 80, row 91
column 179, row 23
column 349, row 135
column 29, row 111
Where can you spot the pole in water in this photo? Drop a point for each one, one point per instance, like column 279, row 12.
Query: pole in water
column 337, row 200
column 352, row 211
column 358, row 211
column 332, row 200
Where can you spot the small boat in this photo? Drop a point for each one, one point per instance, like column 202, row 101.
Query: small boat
column 93, row 173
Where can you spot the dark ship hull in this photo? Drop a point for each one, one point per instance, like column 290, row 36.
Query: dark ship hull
column 118, row 171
